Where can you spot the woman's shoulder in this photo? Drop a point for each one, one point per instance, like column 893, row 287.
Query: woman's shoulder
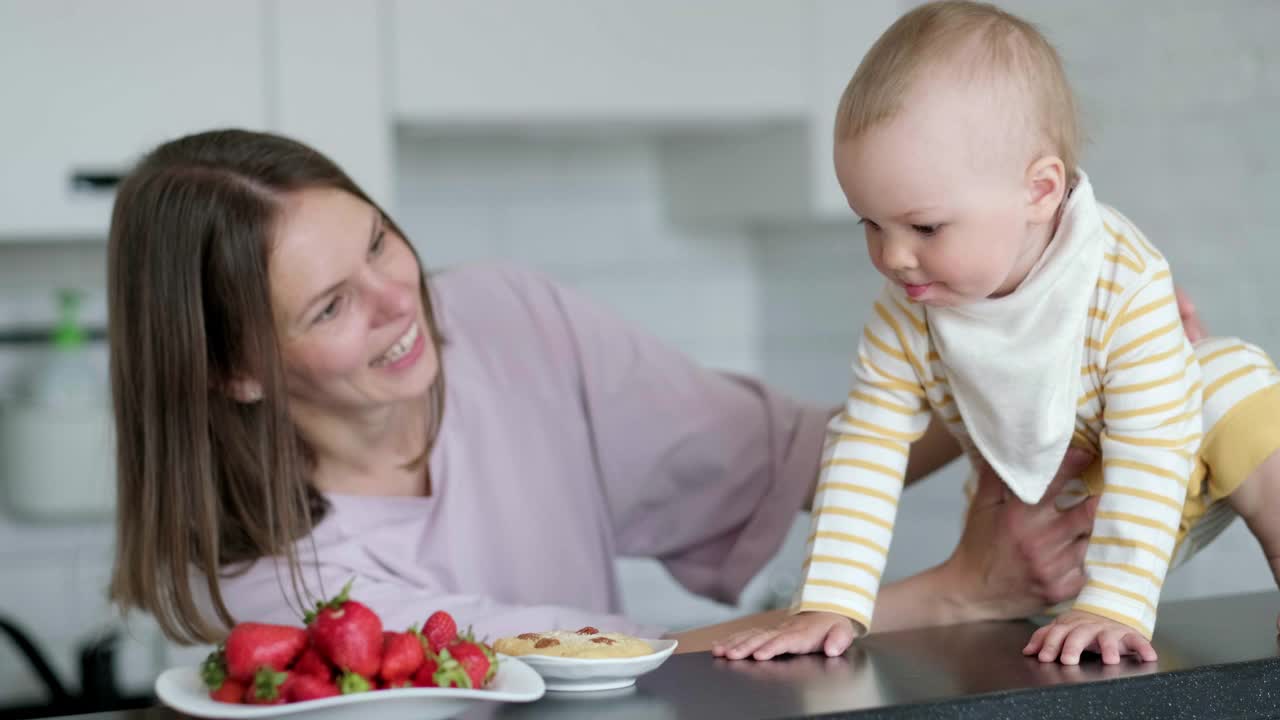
column 489, row 286
column 497, row 306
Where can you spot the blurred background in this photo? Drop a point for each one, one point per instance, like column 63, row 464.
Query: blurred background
column 669, row 158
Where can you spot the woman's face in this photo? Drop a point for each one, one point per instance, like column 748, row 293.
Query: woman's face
column 345, row 288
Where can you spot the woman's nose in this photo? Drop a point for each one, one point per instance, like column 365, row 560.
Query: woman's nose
column 391, row 300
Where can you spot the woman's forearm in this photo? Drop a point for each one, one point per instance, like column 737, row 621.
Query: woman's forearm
column 700, row 639
column 933, row 597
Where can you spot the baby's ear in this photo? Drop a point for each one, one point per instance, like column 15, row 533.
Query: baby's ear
column 244, row 390
column 1046, row 186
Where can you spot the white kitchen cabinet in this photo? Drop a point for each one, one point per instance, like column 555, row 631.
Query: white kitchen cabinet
column 655, row 62
column 87, row 86
column 781, row 171
column 844, row 32
column 329, row 70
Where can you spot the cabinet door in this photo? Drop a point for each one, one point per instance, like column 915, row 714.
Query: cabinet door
column 88, row 86
column 629, row 61
column 844, row 32
column 328, row 63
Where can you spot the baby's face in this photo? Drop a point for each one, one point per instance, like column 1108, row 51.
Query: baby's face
column 942, row 193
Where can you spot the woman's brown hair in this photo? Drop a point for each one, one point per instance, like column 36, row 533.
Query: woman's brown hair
column 204, row 481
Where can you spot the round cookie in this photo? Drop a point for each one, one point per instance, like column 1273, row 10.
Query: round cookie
column 585, row 643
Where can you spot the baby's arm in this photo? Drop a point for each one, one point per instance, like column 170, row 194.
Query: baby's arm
column 861, row 478
column 1151, row 395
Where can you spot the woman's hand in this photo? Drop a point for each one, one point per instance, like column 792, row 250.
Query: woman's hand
column 1016, row 558
column 1190, row 318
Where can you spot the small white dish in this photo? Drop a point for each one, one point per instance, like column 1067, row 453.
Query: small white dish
column 588, row 674
column 181, row 689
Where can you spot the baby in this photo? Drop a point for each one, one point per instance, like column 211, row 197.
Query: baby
column 1030, row 317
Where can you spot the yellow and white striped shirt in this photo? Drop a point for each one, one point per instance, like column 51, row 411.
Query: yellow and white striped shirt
column 1139, row 409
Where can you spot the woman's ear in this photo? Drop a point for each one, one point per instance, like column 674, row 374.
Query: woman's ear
column 245, row 390
column 1046, row 186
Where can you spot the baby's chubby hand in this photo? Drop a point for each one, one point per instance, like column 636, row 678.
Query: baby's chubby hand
column 1076, row 631
column 801, row 633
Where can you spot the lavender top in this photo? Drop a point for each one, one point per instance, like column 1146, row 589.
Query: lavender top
column 569, row 438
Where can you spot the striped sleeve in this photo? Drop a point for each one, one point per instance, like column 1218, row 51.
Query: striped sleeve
column 863, row 463
column 1152, row 429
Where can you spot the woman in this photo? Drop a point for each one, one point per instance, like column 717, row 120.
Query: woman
column 297, row 405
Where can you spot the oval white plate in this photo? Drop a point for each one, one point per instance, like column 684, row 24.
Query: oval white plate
column 582, row 674
column 181, row 689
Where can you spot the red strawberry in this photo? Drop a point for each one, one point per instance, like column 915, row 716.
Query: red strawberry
column 308, row 687
column 213, row 671
column 442, row 671
column 402, row 655
column 267, row 688
column 230, row 691
column 474, row 661
column 252, row 646
column 351, row 683
column 470, row 637
column 440, row 630
column 312, row 663
column 384, row 685
column 347, row 634
column 426, row 675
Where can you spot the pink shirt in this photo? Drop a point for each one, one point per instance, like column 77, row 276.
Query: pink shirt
column 569, row 438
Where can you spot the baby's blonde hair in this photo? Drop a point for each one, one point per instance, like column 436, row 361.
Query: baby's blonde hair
column 977, row 38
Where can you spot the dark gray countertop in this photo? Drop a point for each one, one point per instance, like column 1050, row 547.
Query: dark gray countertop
column 1218, row 659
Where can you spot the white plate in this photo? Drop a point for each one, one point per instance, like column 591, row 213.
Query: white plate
column 582, row 674
column 181, row 689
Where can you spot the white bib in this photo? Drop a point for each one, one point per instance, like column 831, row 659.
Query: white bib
column 1014, row 362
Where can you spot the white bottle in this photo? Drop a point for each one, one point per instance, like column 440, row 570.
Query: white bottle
column 56, row 446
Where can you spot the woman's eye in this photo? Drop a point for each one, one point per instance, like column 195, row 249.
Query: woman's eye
column 378, row 242
column 925, row 229
column 330, row 310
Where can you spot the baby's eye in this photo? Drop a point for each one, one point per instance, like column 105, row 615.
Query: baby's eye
column 868, row 224
column 926, row 230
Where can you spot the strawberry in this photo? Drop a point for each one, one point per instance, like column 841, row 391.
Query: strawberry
column 426, row 675
column 474, row 661
column 267, row 688
column 402, row 655
column 252, row 646
column 347, row 634
column 440, row 630
column 470, row 637
column 300, row 688
column 384, row 685
column 310, row 662
column 230, row 691
column 441, row 671
column 213, row 671
column 350, row 683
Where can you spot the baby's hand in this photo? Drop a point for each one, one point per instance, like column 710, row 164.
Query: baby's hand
column 804, row 632
column 1076, row 631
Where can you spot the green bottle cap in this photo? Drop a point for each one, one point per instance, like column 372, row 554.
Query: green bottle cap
column 68, row 335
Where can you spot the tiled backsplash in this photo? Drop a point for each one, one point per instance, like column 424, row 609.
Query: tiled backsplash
column 1181, row 100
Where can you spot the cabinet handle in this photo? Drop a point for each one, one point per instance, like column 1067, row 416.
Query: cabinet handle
column 95, row 181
